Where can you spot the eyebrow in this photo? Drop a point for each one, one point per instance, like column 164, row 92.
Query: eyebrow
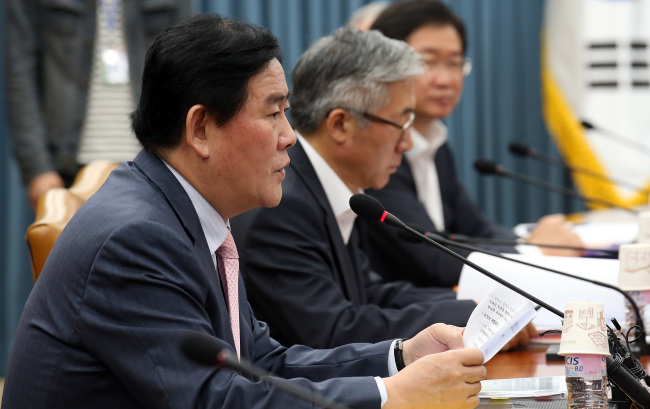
column 275, row 98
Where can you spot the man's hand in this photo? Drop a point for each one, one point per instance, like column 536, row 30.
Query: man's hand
column 522, row 338
column 446, row 380
column 41, row 184
column 552, row 229
column 432, row 340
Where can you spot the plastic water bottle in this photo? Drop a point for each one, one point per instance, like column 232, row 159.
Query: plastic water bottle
column 586, row 380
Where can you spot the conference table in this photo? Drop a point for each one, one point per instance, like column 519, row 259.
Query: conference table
column 528, row 363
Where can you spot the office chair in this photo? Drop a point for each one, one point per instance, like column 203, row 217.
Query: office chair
column 57, row 206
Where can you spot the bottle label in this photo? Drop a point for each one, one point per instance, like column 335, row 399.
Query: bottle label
column 585, row 365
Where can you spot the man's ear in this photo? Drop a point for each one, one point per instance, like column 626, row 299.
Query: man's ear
column 196, row 128
column 340, row 125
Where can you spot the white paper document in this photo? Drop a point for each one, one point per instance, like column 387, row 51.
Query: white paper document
column 497, row 318
column 524, row 387
column 549, row 287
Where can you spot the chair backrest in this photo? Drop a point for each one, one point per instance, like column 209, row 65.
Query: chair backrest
column 57, row 206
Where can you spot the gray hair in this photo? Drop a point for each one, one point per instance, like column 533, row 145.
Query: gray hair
column 349, row 69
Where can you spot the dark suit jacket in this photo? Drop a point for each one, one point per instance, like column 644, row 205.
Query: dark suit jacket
column 315, row 290
column 127, row 279
column 419, row 263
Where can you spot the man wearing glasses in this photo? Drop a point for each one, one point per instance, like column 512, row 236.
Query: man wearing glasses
column 353, row 107
column 426, row 190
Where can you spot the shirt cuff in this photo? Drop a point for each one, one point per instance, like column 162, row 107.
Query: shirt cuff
column 392, row 370
column 392, row 366
column 382, row 390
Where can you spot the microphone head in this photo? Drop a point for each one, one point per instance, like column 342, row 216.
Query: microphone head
column 486, row 167
column 587, row 124
column 367, row 207
column 519, row 149
column 201, row 348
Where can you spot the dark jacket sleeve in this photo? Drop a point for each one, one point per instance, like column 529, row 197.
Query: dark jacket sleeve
column 422, row 264
column 294, row 280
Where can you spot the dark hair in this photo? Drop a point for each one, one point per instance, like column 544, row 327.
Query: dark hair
column 202, row 59
column 401, row 19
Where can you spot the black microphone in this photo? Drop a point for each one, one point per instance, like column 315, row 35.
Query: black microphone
column 526, row 151
column 207, row 350
column 370, row 208
column 487, row 167
column 620, row 139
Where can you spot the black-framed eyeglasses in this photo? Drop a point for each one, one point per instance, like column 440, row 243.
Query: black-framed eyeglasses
column 375, row 118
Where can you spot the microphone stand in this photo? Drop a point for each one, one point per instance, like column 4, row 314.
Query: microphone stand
column 498, row 170
column 630, row 143
column 528, row 152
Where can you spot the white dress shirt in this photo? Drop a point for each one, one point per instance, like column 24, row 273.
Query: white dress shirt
column 425, row 174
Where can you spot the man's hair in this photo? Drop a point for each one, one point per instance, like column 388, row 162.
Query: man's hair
column 202, row 59
column 401, row 19
column 349, row 69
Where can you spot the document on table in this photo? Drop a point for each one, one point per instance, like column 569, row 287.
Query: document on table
column 496, row 319
column 524, row 387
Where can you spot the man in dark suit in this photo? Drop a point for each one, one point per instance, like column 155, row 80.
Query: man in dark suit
column 307, row 275
column 426, row 190
column 149, row 259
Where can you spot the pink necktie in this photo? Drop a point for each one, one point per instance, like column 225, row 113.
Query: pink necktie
column 228, row 262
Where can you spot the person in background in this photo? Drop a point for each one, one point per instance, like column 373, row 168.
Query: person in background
column 149, row 259
column 72, row 74
column 426, row 190
column 353, row 106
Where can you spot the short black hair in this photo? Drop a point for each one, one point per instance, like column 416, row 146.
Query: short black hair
column 203, row 59
column 401, row 19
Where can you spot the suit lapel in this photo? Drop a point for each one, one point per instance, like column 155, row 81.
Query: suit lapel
column 346, row 274
column 154, row 169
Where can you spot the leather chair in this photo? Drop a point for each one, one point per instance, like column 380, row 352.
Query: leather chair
column 57, row 206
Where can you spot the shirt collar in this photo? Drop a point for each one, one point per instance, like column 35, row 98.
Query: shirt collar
column 214, row 227
column 337, row 192
column 427, row 144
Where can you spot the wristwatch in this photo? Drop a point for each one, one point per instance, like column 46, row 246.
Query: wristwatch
column 399, row 353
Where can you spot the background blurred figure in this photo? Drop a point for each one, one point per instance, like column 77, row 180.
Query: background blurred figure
column 72, row 74
column 366, row 15
column 426, row 190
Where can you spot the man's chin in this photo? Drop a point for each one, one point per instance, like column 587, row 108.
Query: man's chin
column 273, row 200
